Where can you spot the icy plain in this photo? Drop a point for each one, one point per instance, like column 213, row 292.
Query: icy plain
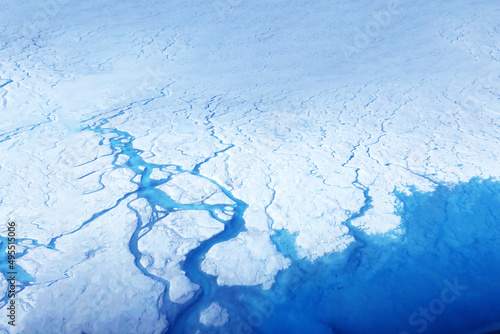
column 251, row 167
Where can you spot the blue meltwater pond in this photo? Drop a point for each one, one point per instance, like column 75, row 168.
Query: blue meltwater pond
column 441, row 275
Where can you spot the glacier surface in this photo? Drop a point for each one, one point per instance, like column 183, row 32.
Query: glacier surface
column 251, row 167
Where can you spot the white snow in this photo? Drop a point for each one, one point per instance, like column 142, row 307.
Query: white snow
column 214, row 315
column 249, row 259
column 186, row 188
column 159, row 174
column 84, row 272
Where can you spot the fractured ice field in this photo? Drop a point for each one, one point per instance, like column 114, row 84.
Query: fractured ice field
column 250, row 166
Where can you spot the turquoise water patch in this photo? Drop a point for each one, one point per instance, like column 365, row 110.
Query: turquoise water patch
column 442, row 275
column 285, row 243
column 9, row 270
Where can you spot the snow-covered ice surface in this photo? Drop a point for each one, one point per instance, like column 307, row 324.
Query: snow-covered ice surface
column 251, row 166
column 214, row 315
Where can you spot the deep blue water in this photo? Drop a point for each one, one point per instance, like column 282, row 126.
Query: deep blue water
column 441, row 276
